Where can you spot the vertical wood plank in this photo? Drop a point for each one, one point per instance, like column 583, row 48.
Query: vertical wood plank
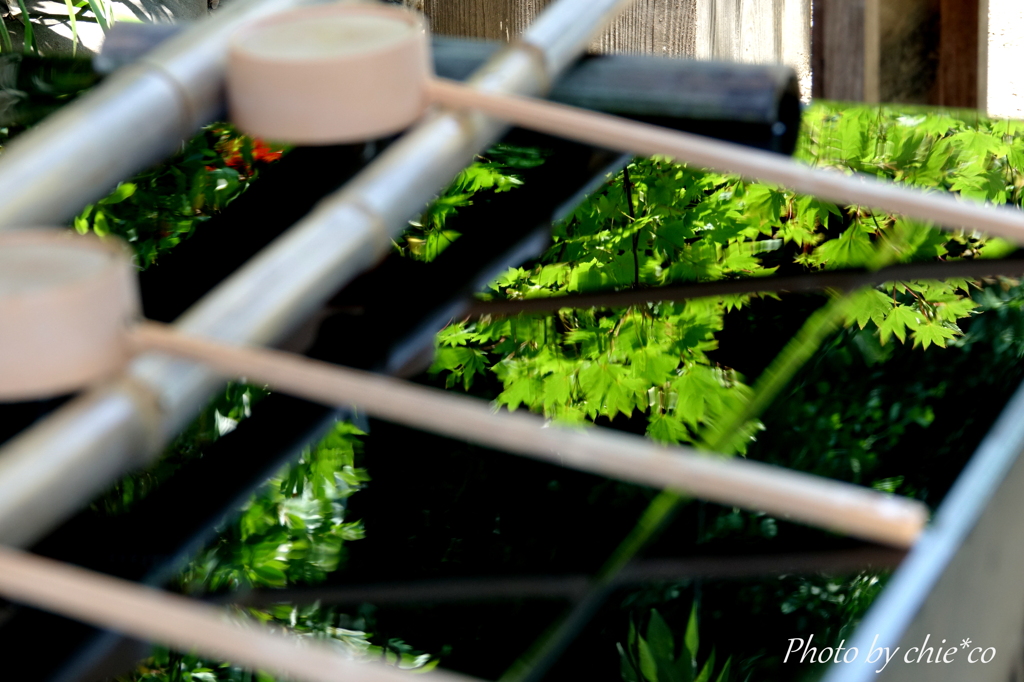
column 488, row 19
column 984, row 28
column 736, row 30
column 908, row 43
column 759, row 31
column 663, row 27
column 900, row 51
column 724, row 29
column 958, row 78
column 817, row 49
column 840, row 49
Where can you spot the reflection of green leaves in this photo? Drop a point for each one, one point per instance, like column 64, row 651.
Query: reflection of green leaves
column 652, row 657
column 162, row 206
column 350, row 636
column 869, row 305
column 427, row 238
column 290, row 531
column 122, row 192
column 228, row 408
column 897, row 321
column 927, row 334
column 851, row 249
column 293, row 529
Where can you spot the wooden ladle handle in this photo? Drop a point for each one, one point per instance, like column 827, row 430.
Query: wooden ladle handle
column 612, row 132
column 181, row 623
column 817, row 501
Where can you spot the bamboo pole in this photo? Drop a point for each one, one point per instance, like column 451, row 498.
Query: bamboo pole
column 817, row 501
column 104, row 432
column 725, row 157
column 131, row 120
column 182, row 623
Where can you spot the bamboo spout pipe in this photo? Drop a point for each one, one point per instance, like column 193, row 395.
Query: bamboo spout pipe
column 808, row 499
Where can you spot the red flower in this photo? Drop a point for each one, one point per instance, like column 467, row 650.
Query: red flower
column 261, row 152
column 230, row 149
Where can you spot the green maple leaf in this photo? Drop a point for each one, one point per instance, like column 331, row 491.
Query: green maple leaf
column 697, row 393
column 610, row 389
column 852, row 248
column 979, row 144
column 927, row 334
column 896, row 323
column 654, row 366
column 869, row 305
column 557, row 390
column 955, row 308
column 667, row 429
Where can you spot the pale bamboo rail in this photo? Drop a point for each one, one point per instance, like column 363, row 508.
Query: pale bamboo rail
column 854, row 510
column 643, row 139
column 182, row 623
column 111, row 429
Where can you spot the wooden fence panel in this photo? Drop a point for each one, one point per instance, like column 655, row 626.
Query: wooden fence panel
column 740, row 30
column 761, row 31
column 903, row 51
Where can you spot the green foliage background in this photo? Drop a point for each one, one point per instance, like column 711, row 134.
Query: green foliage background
column 660, row 223
column 660, row 365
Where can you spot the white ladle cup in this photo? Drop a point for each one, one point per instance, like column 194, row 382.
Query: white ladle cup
column 347, row 72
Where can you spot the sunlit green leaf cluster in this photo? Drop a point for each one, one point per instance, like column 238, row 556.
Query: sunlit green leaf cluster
column 960, row 152
column 659, row 223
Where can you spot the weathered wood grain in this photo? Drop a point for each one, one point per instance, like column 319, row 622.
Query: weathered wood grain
column 842, row 56
column 664, row 27
column 759, row 31
column 901, row 51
